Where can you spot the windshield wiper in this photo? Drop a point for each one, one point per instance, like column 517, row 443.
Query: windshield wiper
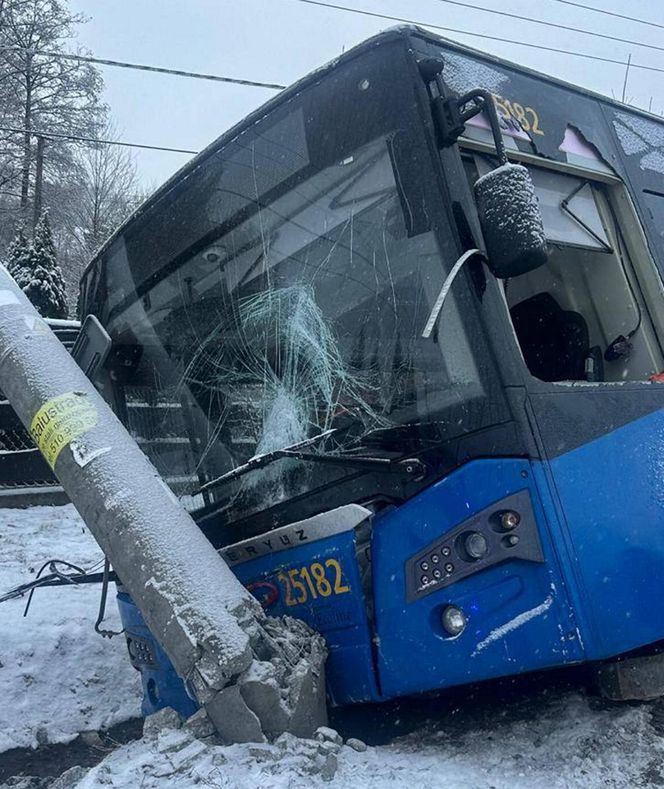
column 410, row 467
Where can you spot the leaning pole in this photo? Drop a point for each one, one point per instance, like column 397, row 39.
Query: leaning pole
column 256, row 676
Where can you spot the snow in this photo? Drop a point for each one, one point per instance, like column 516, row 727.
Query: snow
column 58, row 677
column 550, row 743
column 630, row 141
column 507, row 200
column 638, row 135
column 463, row 74
column 513, row 624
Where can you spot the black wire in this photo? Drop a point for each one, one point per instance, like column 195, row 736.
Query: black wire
column 609, row 13
column 557, row 25
column 92, row 140
column 102, row 605
column 55, row 573
column 516, row 42
column 141, row 67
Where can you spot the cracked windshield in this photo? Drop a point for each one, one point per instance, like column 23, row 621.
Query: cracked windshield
column 294, row 306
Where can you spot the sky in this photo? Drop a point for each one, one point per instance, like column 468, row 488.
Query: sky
column 281, row 40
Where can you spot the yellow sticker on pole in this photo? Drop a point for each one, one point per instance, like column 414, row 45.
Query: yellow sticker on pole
column 60, row 421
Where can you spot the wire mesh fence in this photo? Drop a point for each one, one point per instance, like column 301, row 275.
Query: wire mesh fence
column 22, row 466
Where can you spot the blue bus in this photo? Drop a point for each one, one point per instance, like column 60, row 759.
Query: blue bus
column 451, row 479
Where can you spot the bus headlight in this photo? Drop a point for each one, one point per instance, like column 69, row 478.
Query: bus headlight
column 454, row 620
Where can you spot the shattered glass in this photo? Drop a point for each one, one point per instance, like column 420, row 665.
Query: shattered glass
column 281, row 294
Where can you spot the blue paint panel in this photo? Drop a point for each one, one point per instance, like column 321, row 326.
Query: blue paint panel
column 341, row 618
column 600, row 517
column 519, row 617
column 611, row 492
column 161, row 685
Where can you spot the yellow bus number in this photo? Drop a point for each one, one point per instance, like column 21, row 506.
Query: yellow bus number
column 312, row 581
column 526, row 117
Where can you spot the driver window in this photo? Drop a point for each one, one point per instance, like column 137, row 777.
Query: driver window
column 584, row 316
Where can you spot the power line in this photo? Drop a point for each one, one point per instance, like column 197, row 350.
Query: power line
column 556, row 25
column 610, row 13
column 143, row 67
column 93, row 140
column 486, row 36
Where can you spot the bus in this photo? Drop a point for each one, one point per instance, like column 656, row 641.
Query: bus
column 451, row 480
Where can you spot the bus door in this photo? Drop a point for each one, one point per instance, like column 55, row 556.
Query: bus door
column 589, row 328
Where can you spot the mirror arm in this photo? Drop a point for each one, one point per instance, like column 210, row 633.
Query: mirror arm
column 486, row 103
column 451, row 115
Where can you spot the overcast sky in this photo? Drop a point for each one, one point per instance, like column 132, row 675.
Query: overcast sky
column 281, row 40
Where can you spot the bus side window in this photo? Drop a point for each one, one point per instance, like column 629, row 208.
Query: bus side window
column 589, row 313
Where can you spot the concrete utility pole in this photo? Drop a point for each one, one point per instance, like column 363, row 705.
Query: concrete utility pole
column 211, row 628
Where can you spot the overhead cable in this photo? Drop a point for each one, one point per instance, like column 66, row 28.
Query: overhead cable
column 142, row 67
column 93, row 140
column 610, row 13
column 557, row 25
column 486, row 36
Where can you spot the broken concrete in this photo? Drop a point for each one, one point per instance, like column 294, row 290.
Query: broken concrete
column 199, row 725
column 356, row 745
column 233, row 719
column 70, row 778
column 329, row 767
column 166, row 718
column 327, row 734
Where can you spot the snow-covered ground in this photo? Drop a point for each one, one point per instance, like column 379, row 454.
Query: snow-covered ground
column 58, row 678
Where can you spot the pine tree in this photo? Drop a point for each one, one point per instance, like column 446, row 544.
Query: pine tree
column 44, row 284
column 18, row 258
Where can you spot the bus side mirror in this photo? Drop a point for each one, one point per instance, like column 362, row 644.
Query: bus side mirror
column 511, row 221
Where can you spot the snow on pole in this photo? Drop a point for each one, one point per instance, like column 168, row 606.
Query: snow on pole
column 255, row 675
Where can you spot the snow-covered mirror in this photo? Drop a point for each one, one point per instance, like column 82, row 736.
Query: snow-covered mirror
column 511, row 221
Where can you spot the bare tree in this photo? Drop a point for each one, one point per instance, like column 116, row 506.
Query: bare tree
column 103, row 195
column 109, row 190
column 42, row 92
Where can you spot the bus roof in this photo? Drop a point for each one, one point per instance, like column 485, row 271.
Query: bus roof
column 411, row 33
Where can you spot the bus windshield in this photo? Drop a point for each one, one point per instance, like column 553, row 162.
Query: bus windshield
column 282, row 292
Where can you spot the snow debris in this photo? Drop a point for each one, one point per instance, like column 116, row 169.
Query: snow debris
column 513, row 624
column 653, row 161
column 630, row 141
column 549, row 742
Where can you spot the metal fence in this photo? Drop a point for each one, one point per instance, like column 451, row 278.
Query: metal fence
column 25, row 477
column 157, row 423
